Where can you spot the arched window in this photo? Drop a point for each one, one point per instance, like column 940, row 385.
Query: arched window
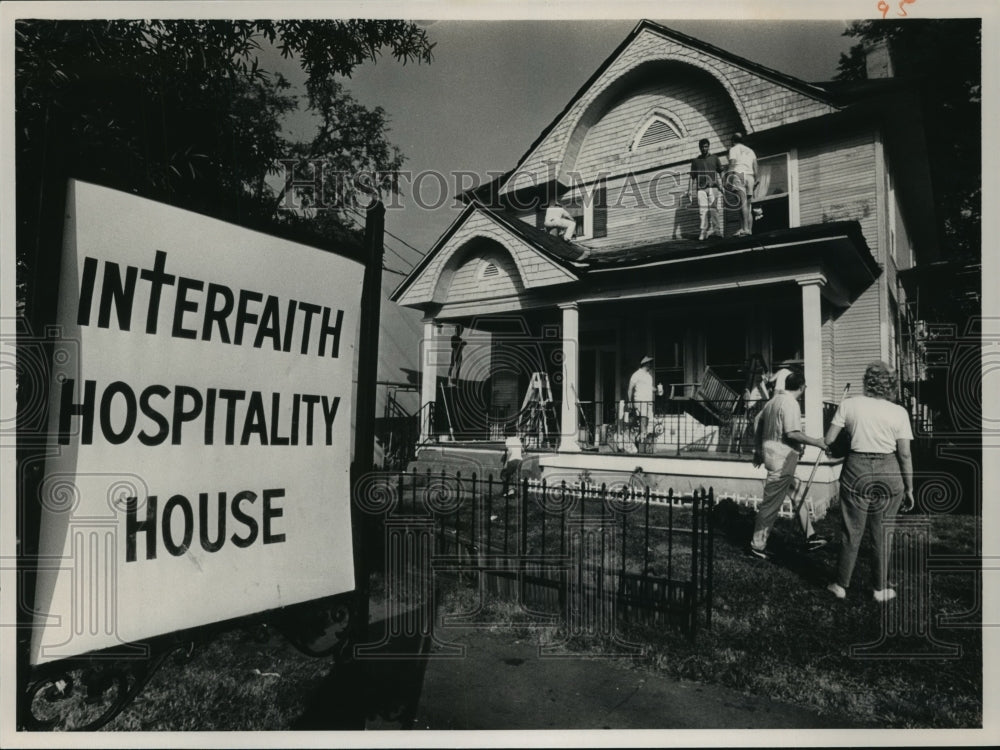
column 658, row 130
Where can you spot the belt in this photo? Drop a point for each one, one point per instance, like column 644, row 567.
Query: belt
column 869, row 455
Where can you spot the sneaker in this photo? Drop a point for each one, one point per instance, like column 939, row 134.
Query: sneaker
column 815, row 542
column 837, row 590
column 763, row 554
column 702, row 236
column 884, row 595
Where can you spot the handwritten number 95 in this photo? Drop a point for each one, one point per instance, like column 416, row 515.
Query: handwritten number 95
column 883, row 7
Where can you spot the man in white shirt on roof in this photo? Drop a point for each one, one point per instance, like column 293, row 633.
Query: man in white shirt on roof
column 742, row 180
column 557, row 217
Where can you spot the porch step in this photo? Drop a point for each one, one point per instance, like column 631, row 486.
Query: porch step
column 482, row 462
column 454, row 459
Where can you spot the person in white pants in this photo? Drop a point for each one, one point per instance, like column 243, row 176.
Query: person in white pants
column 557, row 217
column 743, row 180
column 706, row 174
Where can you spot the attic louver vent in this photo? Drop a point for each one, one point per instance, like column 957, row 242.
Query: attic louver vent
column 657, row 133
column 490, row 271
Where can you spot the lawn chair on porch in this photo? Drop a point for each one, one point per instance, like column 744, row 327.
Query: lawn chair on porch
column 712, row 402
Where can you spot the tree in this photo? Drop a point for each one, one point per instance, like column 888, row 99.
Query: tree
column 182, row 111
column 943, row 57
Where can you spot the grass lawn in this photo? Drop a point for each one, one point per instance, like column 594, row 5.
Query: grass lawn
column 775, row 633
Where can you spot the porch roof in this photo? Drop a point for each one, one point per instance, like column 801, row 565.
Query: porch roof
column 839, row 245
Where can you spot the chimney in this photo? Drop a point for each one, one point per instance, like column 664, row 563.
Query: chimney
column 878, row 60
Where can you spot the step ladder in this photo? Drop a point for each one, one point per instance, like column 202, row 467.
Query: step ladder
column 537, row 418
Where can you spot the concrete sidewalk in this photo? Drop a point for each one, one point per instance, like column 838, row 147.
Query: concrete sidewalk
column 503, row 683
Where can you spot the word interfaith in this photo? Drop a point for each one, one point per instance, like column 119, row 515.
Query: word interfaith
column 222, row 416
column 207, row 311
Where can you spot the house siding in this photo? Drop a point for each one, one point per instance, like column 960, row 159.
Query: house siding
column 838, row 181
column 829, row 355
column 856, row 340
column 468, row 284
column 696, row 100
column 759, row 102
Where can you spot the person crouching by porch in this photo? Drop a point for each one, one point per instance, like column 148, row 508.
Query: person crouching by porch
column 557, row 217
column 513, row 457
column 640, row 399
column 778, row 443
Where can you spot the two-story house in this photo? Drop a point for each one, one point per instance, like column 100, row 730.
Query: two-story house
column 845, row 200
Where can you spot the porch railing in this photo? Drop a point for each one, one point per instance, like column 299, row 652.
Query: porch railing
column 668, row 426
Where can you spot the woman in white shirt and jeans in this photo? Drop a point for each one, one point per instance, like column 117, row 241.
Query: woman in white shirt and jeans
column 877, row 475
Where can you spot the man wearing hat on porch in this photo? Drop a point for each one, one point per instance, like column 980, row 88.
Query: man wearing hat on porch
column 640, row 395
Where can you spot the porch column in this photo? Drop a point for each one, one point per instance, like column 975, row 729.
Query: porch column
column 428, row 380
column 812, row 352
column 568, row 426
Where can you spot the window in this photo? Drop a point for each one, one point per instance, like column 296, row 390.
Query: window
column 772, row 194
column 775, row 196
column 659, row 129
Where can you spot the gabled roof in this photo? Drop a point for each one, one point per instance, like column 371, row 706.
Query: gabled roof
column 796, row 84
column 555, row 249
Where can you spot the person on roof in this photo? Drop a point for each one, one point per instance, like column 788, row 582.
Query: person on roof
column 742, row 180
column 557, row 217
column 706, row 173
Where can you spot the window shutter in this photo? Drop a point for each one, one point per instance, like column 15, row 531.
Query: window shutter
column 600, row 223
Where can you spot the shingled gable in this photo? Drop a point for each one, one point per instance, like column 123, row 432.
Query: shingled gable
column 541, row 260
column 763, row 98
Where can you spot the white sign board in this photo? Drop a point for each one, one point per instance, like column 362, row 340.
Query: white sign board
column 200, row 429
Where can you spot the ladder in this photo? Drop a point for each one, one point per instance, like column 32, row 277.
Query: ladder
column 536, row 412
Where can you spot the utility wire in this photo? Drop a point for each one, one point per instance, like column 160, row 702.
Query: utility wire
column 400, row 239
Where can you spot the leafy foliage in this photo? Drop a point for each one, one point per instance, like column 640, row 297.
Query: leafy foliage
column 943, row 57
column 182, row 111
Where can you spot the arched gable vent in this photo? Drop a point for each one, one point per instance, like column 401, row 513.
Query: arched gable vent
column 490, row 270
column 658, row 130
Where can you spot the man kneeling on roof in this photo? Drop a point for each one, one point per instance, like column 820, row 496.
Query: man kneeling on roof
column 557, row 217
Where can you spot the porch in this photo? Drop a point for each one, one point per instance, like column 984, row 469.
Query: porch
column 557, row 377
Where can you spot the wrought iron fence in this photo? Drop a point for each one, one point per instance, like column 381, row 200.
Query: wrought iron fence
column 559, row 550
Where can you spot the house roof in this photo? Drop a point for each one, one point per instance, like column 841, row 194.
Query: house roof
column 639, row 255
column 797, row 84
column 854, row 259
